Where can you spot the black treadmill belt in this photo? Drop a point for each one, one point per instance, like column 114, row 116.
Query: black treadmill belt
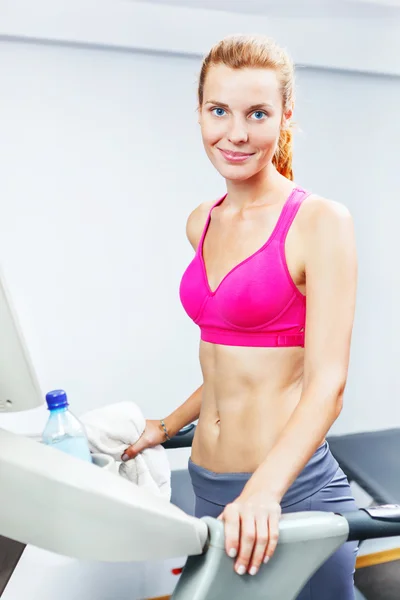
column 372, row 459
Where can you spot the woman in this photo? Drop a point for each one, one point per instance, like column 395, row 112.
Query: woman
column 272, row 385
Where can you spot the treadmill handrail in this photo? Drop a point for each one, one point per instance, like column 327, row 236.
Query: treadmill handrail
column 374, row 522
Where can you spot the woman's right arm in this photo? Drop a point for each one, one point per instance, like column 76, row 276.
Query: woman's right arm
column 186, row 413
column 154, row 434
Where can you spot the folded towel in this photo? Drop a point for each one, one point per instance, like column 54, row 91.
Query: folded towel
column 111, row 429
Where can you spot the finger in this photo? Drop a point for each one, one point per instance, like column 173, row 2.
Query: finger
column 273, row 525
column 246, row 544
column 231, row 518
column 261, row 542
column 133, row 450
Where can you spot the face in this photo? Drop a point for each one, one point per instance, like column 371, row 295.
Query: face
column 240, row 119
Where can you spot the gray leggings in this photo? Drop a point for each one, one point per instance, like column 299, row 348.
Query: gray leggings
column 321, row 485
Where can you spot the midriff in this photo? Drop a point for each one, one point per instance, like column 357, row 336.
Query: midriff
column 248, row 396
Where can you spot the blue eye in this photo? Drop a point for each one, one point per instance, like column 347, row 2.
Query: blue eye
column 219, row 109
column 260, row 112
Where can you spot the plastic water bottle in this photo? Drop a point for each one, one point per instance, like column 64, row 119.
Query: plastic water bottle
column 63, row 430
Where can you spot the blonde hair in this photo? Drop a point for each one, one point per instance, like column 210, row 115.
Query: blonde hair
column 240, row 51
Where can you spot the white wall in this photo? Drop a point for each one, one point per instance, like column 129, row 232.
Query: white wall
column 316, row 38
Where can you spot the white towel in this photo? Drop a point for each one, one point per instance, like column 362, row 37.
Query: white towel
column 111, row 429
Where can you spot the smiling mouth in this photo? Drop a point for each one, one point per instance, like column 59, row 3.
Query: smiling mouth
column 235, row 156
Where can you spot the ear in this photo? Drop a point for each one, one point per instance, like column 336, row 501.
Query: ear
column 287, row 115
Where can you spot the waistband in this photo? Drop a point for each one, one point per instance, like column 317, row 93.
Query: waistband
column 222, row 488
column 214, row 335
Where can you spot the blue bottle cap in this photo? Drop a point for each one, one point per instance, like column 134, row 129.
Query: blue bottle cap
column 56, row 399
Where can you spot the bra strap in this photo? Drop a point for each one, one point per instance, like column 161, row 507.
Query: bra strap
column 290, row 211
column 207, row 223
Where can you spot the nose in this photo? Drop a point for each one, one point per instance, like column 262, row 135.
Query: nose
column 237, row 133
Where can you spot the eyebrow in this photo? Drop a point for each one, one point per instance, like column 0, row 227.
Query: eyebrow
column 252, row 107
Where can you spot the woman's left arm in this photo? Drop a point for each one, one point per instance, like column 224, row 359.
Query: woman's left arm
column 252, row 520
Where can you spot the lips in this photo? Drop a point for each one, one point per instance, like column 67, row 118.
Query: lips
column 235, row 156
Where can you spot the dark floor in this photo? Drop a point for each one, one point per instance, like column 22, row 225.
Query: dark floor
column 10, row 553
column 379, row 582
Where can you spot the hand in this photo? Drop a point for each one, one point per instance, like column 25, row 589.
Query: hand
column 251, row 529
column 153, row 435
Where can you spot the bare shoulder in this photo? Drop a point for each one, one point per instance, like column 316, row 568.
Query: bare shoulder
column 328, row 240
column 196, row 222
column 322, row 216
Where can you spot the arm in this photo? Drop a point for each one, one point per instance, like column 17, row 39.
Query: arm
column 188, row 412
column 154, row 433
column 331, row 273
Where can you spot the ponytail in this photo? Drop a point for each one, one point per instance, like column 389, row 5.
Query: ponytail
column 283, row 155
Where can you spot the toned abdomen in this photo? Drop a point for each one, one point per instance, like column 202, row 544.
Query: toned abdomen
column 248, row 396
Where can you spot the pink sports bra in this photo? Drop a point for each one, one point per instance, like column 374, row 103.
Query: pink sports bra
column 257, row 302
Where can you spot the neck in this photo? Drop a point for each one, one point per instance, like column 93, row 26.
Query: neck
column 261, row 189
